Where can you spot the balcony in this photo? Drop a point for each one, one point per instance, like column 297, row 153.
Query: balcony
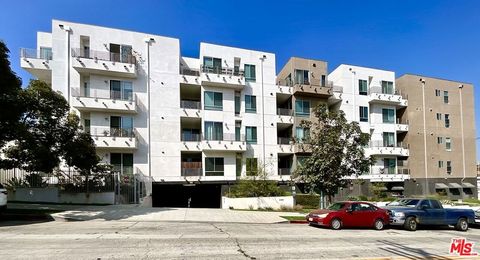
column 285, row 116
column 376, row 95
column 307, row 88
column 112, row 101
column 302, row 147
column 116, row 138
column 191, row 108
column 104, row 63
column 222, row 77
column 191, row 169
column 37, row 63
column 284, row 171
column 401, row 126
column 381, row 148
column 228, row 142
column 385, row 177
column 189, row 76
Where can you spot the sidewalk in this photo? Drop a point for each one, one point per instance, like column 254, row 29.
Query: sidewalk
column 138, row 214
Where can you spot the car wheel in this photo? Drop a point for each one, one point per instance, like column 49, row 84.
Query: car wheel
column 410, row 224
column 379, row 225
column 462, row 224
column 336, row 224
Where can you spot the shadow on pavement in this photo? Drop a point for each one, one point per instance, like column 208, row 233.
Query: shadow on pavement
column 17, row 219
column 113, row 212
column 407, row 252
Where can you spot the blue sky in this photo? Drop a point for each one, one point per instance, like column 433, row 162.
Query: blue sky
column 432, row 38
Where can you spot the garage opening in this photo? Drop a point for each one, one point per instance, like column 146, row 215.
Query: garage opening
column 182, row 196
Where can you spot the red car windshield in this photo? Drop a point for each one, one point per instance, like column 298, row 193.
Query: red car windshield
column 337, row 206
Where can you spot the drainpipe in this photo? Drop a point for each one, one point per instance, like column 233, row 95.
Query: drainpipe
column 67, row 29
column 263, row 115
column 460, row 88
column 424, row 138
column 149, row 41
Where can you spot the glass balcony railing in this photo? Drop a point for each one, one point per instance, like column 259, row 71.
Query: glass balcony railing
column 104, row 55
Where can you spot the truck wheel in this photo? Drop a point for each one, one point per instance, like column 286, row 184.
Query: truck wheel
column 336, row 224
column 410, row 224
column 379, row 225
column 462, row 224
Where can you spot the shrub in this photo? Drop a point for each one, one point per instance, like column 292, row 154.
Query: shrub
column 362, row 198
column 307, row 200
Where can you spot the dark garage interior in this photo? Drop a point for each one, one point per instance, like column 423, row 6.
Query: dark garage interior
column 178, row 195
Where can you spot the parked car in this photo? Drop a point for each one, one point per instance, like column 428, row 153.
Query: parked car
column 349, row 214
column 410, row 213
column 3, row 198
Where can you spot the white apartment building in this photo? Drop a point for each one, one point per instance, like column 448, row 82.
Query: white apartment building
column 370, row 98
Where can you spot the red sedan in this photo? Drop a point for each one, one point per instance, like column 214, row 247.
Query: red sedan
column 349, row 214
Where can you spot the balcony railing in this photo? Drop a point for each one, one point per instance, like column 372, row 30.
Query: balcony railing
column 285, row 140
column 337, row 89
column 189, row 72
column 379, row 90
column 221, row 70
column 114, row 132
column 226, row 137
column 386, row 144
column 190, row 137
column 284, row 171
column 192, row 169
column 112, row 94
column 36, row 54
column 284, row 112
column 104, row 55
column 189, row 104
column 402, row 121
column 291, row 83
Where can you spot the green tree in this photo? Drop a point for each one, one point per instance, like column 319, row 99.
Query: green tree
column 337, row 151
column 11, row 107
column 256, row 184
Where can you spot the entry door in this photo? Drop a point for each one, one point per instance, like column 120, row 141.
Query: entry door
column 115, row 125
column 125, row 53
column 114, row 52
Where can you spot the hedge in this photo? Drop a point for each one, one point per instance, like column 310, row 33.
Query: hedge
column 307, row 200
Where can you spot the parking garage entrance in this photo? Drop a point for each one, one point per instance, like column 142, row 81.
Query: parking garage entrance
column 186, row 195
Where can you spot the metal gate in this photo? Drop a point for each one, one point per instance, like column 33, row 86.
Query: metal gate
column 132, row 188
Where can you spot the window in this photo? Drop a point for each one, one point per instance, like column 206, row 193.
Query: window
column 302, row 107
column 250, row 104
column 448, row 143
column 212, row 65
column 213, row 100
column 445, row 97
column 301, row 77
column 190, row 135
column 214, row 166
column 252, row 166
column 362, row 87
column 238, row 164
column 301, row 160
column 425, row 204
column 324, row 80
column 387, row 87
column 122, row 90
column 46, row 53
column 238, row 125
column 440, row 140
column 435, row 204
column 121, row 53
column 388, row 139
column 237, row 103
column 363, row 114
column 388, row 116
column 437, row 92
column 251, row 132
column 121, row 126
column 250, row 73
column 302, row 134
column 86, row 123
column 122, row 162
column 439, row 116
column 449, row 167
column 389, row 165
column 213, row 130
column 440, row 164
column 447, row 120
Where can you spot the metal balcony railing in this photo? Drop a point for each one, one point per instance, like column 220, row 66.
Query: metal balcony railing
column 376, row 144
column 284, row 171
column 190, row 104
column 225, row 137
column 45, row 54
column 114, row 132
column 221, row 70
column 285, row 140
column 104, row 55
column 191, row 137
column 189, row 72
column 284, row 112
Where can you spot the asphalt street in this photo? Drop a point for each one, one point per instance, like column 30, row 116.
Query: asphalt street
column 187, row 240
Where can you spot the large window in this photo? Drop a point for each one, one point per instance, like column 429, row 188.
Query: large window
column 388, row 139
column 448, row 143
column 389, row 165
column 388, row 116
column 250, row 104
column 447, row 120
column 190, row 135
column 237, row 103
column 212, row 65
column 252, row 166
column 362, row 87
column 301, row 77
column 213, row 100
column 214, row 166
column 363, row 114
column 122, row 163
column 302, row 107
column 121, row 126
column 122, row 90
column 445, row 97
column 302, row 134
column 213, row 130
column 251, row 133
column 250, row 73
column 387, row 87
